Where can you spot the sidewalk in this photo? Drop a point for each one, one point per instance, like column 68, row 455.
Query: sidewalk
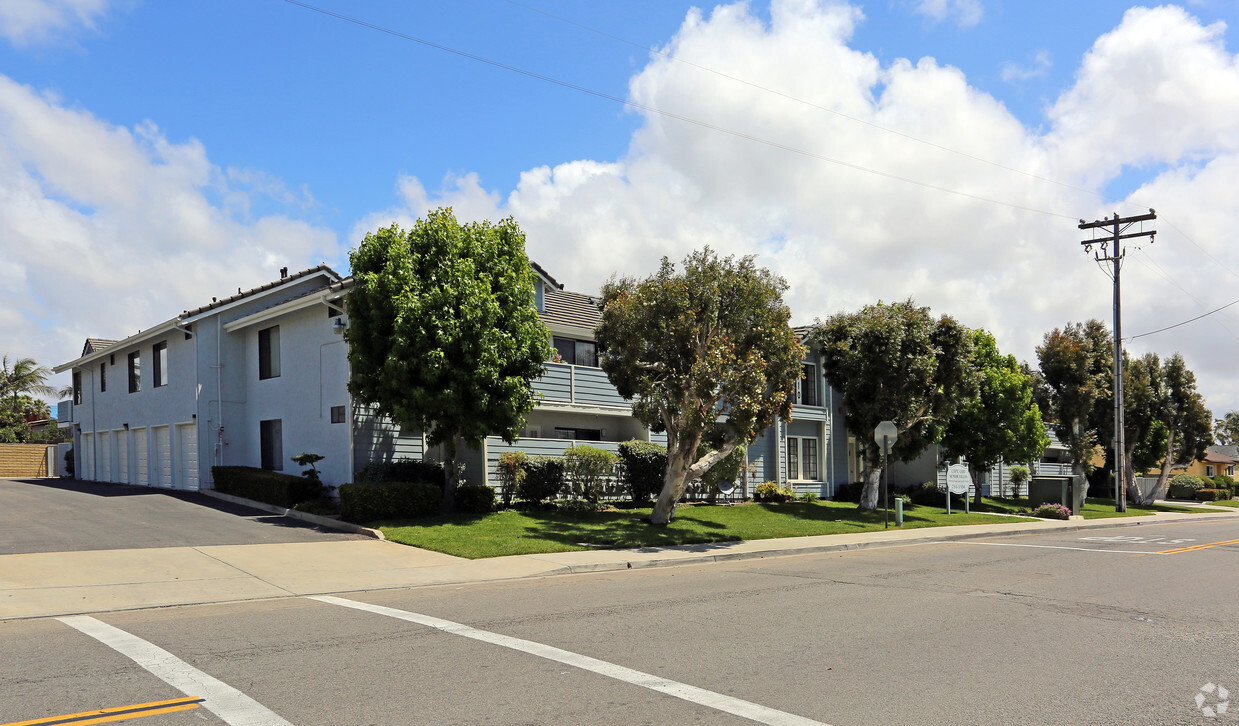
column 63, row 583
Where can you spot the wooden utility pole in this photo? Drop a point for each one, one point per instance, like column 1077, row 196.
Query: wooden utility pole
column 1118, row 226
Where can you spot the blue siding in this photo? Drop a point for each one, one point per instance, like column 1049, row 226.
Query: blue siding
column 377, row 438
column 556, row 383
column 583, row 385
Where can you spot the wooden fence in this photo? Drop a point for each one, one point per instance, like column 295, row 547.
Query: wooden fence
column 23, row 461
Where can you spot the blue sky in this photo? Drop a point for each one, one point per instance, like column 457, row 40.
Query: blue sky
column 153, row 154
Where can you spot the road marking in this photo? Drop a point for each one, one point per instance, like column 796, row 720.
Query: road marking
column 693, row 694
column 221, row 699
column 1055, row 547
column 1193, row 548
column 115, row 713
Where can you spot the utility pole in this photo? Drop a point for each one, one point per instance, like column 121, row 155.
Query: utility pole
column 1118, row 227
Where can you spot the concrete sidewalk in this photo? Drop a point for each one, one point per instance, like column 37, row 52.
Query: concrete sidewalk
column 63, row 583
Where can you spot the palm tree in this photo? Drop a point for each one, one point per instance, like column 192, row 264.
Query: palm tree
column 25, row 375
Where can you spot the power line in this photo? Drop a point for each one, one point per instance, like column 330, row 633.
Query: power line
column 669, row 114
column 1185, row 322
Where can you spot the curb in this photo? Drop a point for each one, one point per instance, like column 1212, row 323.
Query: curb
column 315, row 519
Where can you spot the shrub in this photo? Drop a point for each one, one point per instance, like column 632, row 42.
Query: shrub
column 402, row 470
column 511, row 469
column 585, row 467
column 370, row 501
column 1223, row 481
column 1019, row 477
column 929, row 493
column 809, row 497
column 770, row 491
column 645, row 465
column 849, row 492
column 575, row 506
column 1184, row 486
column 1212, row 495
column 1052, row 511
column 475, row 498
column 69, row 461
column 261, row 485
column 544, row 477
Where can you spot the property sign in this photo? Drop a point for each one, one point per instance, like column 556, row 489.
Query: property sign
column 957, row 479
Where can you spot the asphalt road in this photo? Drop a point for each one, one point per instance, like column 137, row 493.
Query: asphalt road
column 1105, row 626
column 64, row 515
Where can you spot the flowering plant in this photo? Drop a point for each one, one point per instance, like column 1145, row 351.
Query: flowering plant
column 1052, row 511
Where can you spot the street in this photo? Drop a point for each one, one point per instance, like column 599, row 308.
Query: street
column 1104, row 626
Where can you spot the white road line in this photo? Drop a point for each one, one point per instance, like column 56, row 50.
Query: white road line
column 1053, row 547
column 718, row 701
column 221, row 699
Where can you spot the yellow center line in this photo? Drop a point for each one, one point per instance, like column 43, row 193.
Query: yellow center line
column 116, row 713
column 1193, row 548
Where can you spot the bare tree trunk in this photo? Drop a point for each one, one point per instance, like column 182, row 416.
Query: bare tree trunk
column 1133, row 492
column 675, row 481
column 869, row 495
column 976, row 476
column 451, row 472
column 1167, row 462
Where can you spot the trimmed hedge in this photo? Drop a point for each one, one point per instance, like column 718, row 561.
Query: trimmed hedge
column 1184, row 486
column 475, row 498
column 1212, row 495
column 402, row 470
column 261, row 485
column 1224, row 481
column 645, row 466
column 544, row 477
column 370, row 501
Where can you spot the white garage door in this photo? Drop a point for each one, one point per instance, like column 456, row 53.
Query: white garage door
column 103, row 443
column 87, row 458
column 121, row 439
column 161, row 457
column 187, row 446
column 141, row 462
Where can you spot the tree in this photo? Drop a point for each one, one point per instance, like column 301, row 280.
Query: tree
column 1226, row 429
column 895, row 362
column 1144, row 401
column 1001, row 421
column 705, row 354
column 443, row 332
column 23, row 375
column 1076, row 367
column 1188, row 423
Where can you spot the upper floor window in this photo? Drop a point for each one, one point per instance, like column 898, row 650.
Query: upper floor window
column 160, row 356
column 269, row 352
column 806, row 387
column 103, row 377
column 77, row 388
column 135, row 372
column 575, row 352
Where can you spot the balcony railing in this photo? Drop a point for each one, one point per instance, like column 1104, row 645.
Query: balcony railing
column 582, row 385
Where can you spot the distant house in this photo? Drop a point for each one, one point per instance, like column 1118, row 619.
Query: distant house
column 1218, row 459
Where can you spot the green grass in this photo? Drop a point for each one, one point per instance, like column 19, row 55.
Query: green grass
column 515, row 532
column 1224, row 503
column 1094, row 508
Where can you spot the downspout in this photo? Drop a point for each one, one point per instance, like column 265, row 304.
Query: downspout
column 94, row 438
column 219, row 394
column 830, row 440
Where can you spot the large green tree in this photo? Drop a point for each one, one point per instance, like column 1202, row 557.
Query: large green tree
column 896, row 362
column 1188, row 423
column 1001, row 422
column 1076, row 365
column 443, row 332
column 1144, row 401
column 1226, row 429
column 705, row 354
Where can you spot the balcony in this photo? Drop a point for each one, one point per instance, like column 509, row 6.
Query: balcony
column 64, row 413
column 578, row 385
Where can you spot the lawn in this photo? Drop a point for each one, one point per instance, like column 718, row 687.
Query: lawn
column 514, row 532
column 1224, row 503
column 1094, row 508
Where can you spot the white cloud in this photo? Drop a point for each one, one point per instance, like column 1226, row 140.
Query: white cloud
column 964, row 13
column 25, row 22
column 105, row 229
column 1158, row 88
column 1012, row 72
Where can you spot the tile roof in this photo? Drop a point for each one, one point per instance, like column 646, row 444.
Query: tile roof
column 1225, row 449
column 96, row 344
column 246, row 293
column 1214, row 457
column 571, row 309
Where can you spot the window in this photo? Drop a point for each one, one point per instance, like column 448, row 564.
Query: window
column 806, row 387
column 576, row 352
column 1230, row 470
column 135, row 372
column 578, row 434
column 160, row 355
column 103, row 377
column 802, row 459
column 271, row 435
column 77, row 388
column 269, row 353
column 337, row 414
column 1208, row 470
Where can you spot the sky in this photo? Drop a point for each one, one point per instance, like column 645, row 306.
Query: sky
column 156, row 154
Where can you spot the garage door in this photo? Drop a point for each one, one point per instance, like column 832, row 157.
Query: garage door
column 187, row 447
column 141, row 462
column 88, row 457
column 103, row 444
column 161, row 457
column 121, row 440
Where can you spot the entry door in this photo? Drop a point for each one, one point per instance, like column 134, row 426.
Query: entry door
column 88, row 457
column 187, row 447
column 161, row 457
column 120, row 442
column 141, row 462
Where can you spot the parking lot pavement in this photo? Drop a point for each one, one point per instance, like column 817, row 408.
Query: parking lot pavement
column 65, row 515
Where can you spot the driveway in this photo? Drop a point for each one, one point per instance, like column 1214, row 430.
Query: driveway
column 65, row 515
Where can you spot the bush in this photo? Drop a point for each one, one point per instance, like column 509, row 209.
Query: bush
column 402, row 470
column 1052, row 511
column 1019, row 477
column 585, row 467
column 1223, row 481
column 544, row 477
column 1184, row 486
column 849, row 492
column 511, row 470
column 929, row 493
column 261, row 485
column 1212, row 495
column 645, row 466
column 770, row 491
column 475, row 498
column 69, row 462
column 808, row 497
column 370, row 501
column 575, row 506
